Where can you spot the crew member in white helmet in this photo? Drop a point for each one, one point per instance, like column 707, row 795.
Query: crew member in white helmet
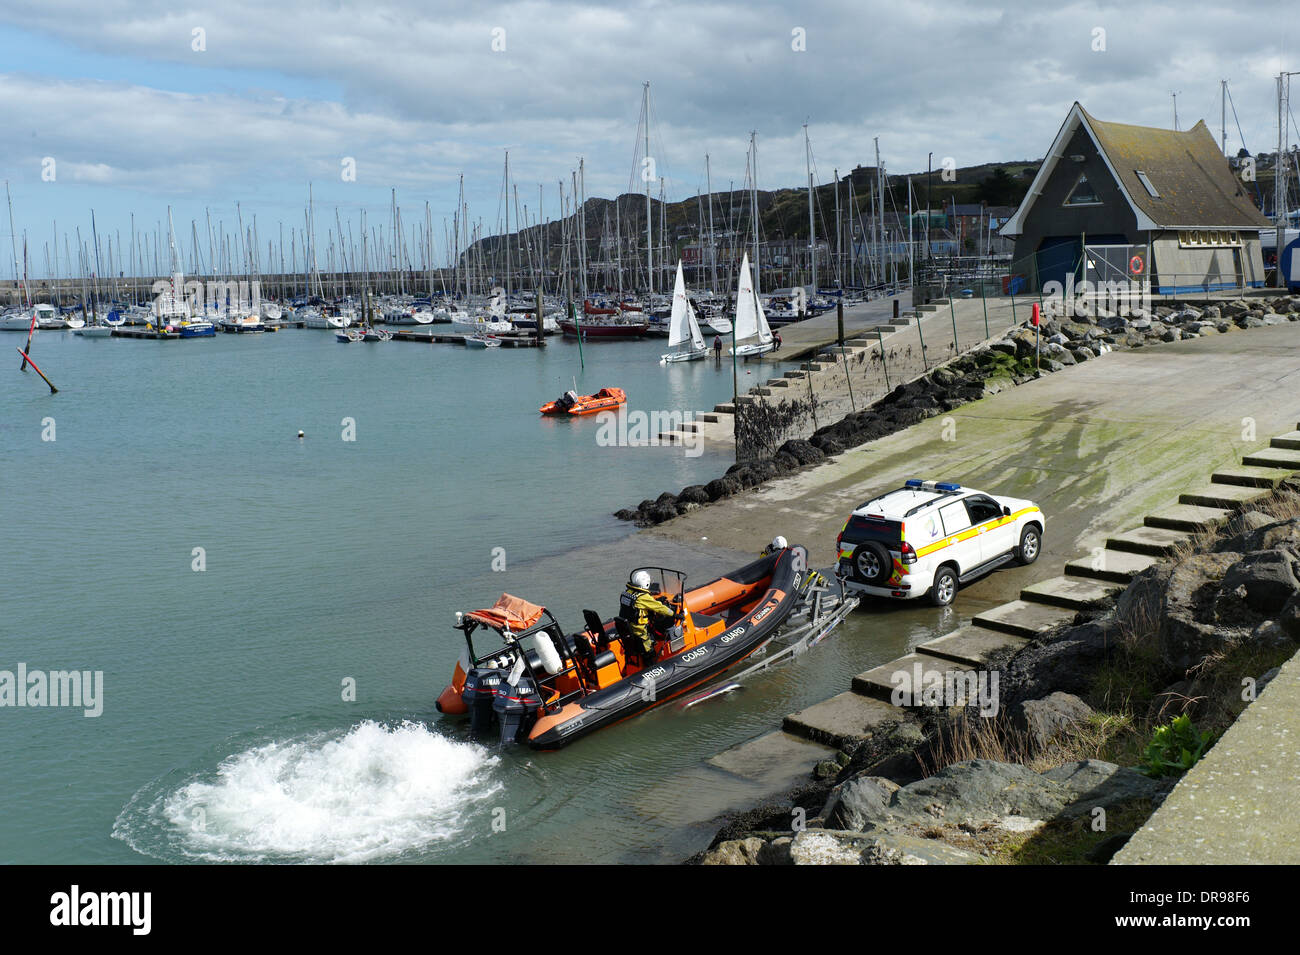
column 778, row 543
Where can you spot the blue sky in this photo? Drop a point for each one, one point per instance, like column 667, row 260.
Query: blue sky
column 136, row 119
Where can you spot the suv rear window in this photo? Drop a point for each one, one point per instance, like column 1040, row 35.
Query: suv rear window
column 861, row 529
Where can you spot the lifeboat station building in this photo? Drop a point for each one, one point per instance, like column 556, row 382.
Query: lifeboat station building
column 1114, row 202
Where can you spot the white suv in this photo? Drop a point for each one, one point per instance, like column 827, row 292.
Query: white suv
column 927, row 537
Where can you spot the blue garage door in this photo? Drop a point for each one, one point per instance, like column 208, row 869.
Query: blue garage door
column 1056, row 258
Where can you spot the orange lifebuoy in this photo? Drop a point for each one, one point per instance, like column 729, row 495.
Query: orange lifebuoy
column 1136, row 265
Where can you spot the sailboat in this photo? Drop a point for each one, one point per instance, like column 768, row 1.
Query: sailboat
column 683, row 330
column 751, row 323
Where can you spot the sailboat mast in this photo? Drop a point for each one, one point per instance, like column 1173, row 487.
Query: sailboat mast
column 507, row 204
column 713, row 258
column 753, row 204
column 812, row 231
column 645, row 175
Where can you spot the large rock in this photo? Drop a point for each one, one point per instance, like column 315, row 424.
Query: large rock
column 1042, row 720
column 723, row 487
column 1256, row 531
column 1268, row 580
column 1066, row 661
column 694, row 494
column 1096, row 783
column 802, row 451
column 1176, row 606
column 735, row 852
column 858, row 801
column 896, row 848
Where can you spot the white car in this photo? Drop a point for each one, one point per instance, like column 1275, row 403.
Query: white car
column 927, row 537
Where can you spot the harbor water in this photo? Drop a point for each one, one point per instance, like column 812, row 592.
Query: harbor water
column 272, row 615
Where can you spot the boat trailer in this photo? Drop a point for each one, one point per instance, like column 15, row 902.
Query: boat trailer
column 825, row 606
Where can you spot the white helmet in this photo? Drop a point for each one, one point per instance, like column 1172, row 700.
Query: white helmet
column 779, row 543
column 641, row 579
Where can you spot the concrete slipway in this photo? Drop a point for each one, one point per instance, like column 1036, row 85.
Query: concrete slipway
column 1126, row 455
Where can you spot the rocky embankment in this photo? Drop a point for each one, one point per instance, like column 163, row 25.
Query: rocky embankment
column 1187, row 635
column 986, row 370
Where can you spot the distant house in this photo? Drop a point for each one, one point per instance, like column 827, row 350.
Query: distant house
column 1144, row 203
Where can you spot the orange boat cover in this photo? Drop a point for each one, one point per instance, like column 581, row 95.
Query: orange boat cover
column 513, row 612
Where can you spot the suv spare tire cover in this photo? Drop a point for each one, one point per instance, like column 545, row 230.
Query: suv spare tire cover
column 863, row 559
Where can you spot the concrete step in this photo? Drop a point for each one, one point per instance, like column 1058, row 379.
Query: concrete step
column 927, row 308
column 726, row 408
column 848, row 717
column 973, row 646
column 860, row 342
column 772, row 757
column 1158, row 541
column 1274, row 458
column 713, row 417
column 1222, row 495
column 1068, row 592
column 1187, row 517
column 884, row 681
column 796, row 374
column 778, row 383
column 1023, row 619
column 1247, row 476
column 1289, row 440
column 1118, row 566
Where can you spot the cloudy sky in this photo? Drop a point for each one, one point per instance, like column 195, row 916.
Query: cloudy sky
column 143, row 104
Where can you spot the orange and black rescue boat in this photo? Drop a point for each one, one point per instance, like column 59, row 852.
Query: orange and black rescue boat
column 535, row 684
column 572, row 403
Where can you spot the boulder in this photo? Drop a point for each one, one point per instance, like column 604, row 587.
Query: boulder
column 1066, row 661
column 896, row 848
column 1175, row 606
column 661, row 512
column 1268, row 579
column 785, row 462
column 694, row 494
column 1255, row 531
column 1041, row 720
column 859, row 801
column 735, row 852
column 828, row 847
column 723, row 487
column 802, row 451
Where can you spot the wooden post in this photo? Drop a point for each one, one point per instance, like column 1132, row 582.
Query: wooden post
column 884, row 362
column 839, row 320
column 541, row 335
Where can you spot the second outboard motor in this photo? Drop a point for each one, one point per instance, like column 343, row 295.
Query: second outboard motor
column 481, row 685
column 516, row 707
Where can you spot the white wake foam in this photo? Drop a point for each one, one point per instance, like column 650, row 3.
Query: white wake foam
column 375, row 792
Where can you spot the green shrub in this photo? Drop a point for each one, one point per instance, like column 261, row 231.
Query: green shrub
column 1175, row 748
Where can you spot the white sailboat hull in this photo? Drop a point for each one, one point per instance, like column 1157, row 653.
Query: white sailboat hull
column 693, row 355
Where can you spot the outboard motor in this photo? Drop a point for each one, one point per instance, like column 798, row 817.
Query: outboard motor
column 516, row 706
column 481, row 685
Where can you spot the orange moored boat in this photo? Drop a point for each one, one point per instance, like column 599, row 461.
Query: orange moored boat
column 572, row 403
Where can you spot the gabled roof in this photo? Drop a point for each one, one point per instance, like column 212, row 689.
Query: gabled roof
column 1196, row 188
